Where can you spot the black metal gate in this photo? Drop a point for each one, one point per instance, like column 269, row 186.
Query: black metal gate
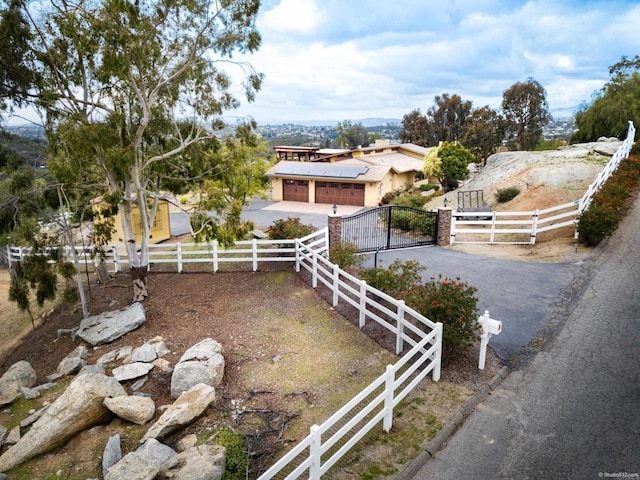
column 391, row 226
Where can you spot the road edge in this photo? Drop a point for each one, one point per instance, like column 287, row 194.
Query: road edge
column 451, row 426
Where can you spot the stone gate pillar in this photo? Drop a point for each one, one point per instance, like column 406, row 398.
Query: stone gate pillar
column 335, row 230
column 444, row 226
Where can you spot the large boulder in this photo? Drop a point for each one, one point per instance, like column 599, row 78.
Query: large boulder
column 145, row 463
column 20, row 374
column 109, row 326
column 189, row 406
column 204, row 462
column 132, row 408
column 73, row 362
column 202, row 363
column 80, row 407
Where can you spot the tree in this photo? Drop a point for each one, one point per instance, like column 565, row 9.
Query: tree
column 616, row 103
column 449, row 114
column 352, row 135
column 416, row 129
column 448, row 163
column 482, row 133
column 526, row 112
column 127, row 90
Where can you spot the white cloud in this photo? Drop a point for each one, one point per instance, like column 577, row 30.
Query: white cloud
column 349, row 59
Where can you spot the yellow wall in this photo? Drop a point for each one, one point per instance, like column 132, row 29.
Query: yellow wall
column 160, row 231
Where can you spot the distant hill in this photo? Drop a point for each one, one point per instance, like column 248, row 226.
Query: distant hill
column 32, row 149
column 367, row 122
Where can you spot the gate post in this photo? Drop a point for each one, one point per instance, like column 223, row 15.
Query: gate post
column 444, row 226
column 335, row 230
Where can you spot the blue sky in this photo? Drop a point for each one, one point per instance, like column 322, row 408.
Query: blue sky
column 352, row 59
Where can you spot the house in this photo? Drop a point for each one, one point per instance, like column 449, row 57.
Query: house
column 358, row 177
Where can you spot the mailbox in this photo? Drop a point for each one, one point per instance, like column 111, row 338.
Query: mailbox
column 489, row 327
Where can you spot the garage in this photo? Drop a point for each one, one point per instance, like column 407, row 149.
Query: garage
column 340, row 193
column 295, row 190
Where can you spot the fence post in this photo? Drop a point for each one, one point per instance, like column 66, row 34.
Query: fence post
column 438, row 353
column 9, row 256
column 179, row 252
column 400, row 325
column 214, row 254
column 363, row 303
column 254, row 252
column 534, row 227
column 492, row 237
column 336, row 284
column 296, row 249
column 389, row 380
column 116, row 265
column 334, row 223
column 314, row 278
column 315, row 453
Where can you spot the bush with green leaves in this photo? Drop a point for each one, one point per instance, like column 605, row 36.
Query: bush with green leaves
column 505, row 194
column 425, row 187
column 450, row 301
column 387, row 197
column 610, row 204
column 409, row 199
column 345, row 255
column 289, row 229
column 237, row 459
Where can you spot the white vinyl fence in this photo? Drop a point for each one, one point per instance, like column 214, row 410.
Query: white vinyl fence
column 524, row 227
column 326, row 444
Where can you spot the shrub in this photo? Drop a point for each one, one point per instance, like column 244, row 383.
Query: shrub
column 409, row 199
column 455, row 304
column 387, row 197
column 289, row 229
column 452, row 302
column 422, row 224
column 609, row 205
column 236, row 463
column 401, row 219
column 425, row 187
column 506, row 194
column 345, row 255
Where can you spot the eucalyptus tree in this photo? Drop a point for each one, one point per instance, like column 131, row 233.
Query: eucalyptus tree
column 526, row 112
column 483, row 132
column 130, row 91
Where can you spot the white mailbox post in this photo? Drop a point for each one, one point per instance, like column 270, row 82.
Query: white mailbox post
column 489, row 327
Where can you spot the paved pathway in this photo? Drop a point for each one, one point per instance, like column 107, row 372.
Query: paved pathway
column 574, row 411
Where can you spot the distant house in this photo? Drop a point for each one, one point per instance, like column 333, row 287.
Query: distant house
column 358, row 177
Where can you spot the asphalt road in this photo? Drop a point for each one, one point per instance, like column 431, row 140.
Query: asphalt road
column 574, row 411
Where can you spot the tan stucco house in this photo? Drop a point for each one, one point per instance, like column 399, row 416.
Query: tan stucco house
column 360, row 178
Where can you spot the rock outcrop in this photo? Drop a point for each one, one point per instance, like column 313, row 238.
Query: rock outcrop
column 109, row 326
column 20, row 374
column 202, row 363
column 189, row 406
column 78, row 408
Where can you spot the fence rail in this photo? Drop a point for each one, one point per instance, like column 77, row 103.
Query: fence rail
column 522, row 228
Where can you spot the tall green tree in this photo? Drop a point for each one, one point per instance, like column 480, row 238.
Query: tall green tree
column 449, row 114
column 526, row 112
column 482, row 133
column 130, row 89
column 615, row 105
column 417, row 129
column 352, row 135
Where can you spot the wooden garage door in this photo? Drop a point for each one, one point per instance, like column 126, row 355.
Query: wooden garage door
column 340, row 193
column 295, row 190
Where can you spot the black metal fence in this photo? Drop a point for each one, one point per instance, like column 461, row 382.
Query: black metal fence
column 389, row 227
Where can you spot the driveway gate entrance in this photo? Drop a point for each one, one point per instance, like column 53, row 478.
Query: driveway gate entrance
column 391, row 226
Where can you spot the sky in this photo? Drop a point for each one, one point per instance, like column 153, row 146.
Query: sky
column 338, row 60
